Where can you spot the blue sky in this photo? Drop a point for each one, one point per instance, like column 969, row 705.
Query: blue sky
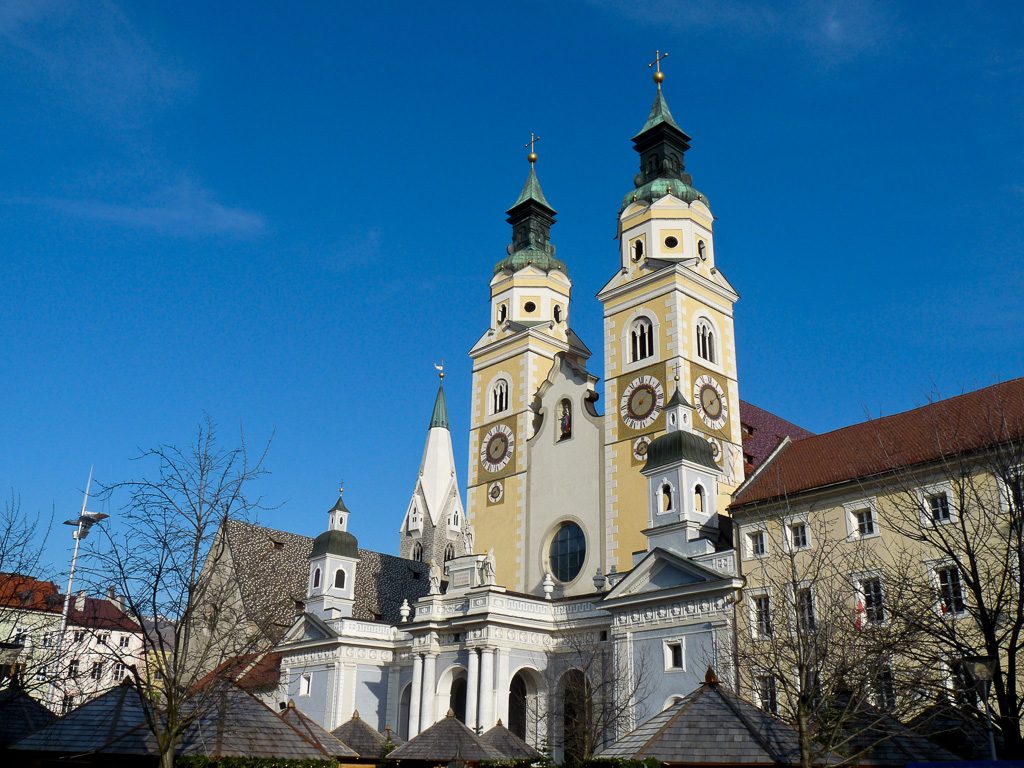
column 282, row 216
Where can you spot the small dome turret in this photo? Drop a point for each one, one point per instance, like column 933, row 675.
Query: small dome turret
column 340, row 543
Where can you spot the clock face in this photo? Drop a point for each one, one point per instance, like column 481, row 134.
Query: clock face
column 710, row 399
column 716, row 450
column 495, row 492
column 641, row 402
column 640, row 448
column 496, row 448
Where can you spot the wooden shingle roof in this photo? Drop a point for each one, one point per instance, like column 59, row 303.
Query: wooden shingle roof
column 510, row 745
column 20, row 715
column 362, row 737
column 711, row 725
column 315, row 733
column 445, row 741
column 959, row 425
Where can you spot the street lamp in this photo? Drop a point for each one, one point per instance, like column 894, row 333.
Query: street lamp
column 81, row 524
column 983, row 670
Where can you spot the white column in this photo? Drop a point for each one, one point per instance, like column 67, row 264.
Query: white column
column 501, row 686
column 414, row 699
column 429, row 695
column 472, row 683
column 487, row 720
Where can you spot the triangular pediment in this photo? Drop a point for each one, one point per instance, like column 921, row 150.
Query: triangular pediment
column 660, row 571
column 308, row 627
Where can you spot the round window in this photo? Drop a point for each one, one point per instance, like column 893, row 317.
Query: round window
column 671, row 242
column 529, row 306
column 568, row 551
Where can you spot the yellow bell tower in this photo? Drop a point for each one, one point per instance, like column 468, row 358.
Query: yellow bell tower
column 529, row 325
column 668, row 322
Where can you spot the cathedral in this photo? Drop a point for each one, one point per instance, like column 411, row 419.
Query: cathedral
column 592, row 566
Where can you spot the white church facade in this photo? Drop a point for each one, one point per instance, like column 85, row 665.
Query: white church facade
column 592, row 568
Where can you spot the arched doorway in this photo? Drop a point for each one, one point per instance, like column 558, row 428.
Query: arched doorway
column 577, row 717
column 517, row 706
column 457, row 698
column 526, row 706
column 403, row 711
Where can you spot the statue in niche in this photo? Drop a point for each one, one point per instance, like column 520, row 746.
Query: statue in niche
column 435, row 578
column 565, row 421
column 487, row 569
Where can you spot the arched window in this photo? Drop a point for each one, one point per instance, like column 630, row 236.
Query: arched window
column 558, row 314
column 502, row 312
column 641, row 339
column 457, row 698
column 638, row 250
column 702, row 250
column 499, row 396
column 706, row 341
column 565, row 419
column 666, row 497
column 699, row 502
column 417, row 552
column 339, row 579
column 316, row 578
column 449, row 553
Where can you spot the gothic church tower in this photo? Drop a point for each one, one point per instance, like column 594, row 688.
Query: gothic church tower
column 668, row 309
column 528, row 328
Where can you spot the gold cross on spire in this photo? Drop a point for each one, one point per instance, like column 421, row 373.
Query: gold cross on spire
column 532, row 157
column 659, row 76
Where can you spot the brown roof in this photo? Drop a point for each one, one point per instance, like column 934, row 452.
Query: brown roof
column 250, row 672
column 366, row 740
column 963, row 424
column 445, row 741
column 510, row 745
column 30, row 594
column 762, row 432
column 331, row 744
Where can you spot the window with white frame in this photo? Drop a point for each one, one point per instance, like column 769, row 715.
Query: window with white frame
column 96, row 673
column 674, row 655
column 884, row 689
column 641, row 340
column 871, row 607
column 861, row 519
column 499, row 396
column 937, row 507
column 305, row 684
column 125, row 641
column 761, row 615
column 316, row 578
column 339, row 579
column 797, row 533
column 706, row 341
column 951, row 590
column 766, row 693
column 73, row 668
column 757, row 543
column 806, row 616
column 120, row 670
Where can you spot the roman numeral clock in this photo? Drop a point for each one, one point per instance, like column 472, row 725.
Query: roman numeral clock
column 642, row 402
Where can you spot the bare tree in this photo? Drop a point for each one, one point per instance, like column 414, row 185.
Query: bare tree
column 816, row 640
column 28, row 647
column 960, row 519
column 595, row 690
column 166, row 553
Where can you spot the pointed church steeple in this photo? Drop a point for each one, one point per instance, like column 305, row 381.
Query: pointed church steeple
column 435, row 519
column 531, row 217
column 662, row 146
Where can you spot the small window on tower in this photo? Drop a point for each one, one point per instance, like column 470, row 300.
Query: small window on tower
column 499, row 396
column 702, row 250
column 698, row 499
column 417, row 552
column 638, row 250
column 641, row 339
column 449, row 553
column 558, row 314
column 339, row 579
column 316, row 578
column 666, row 497
column 502, row 312
column 671, row 242
column 529, row 307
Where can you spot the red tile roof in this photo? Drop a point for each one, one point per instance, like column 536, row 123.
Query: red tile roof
column 762, row 433
column 961, row 424
column 251, row 671
column 27, row 593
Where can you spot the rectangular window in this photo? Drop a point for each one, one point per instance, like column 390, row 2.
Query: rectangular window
column 673, row 655
column 305, row 684
column 67, row 703
column 798, row 536
column 49, row 639
column 96, row 673
column 951, row 591
column 42, row 671
column 78, row 636
column 762, row 616
column 938, row 507
column 806, row 620
column 767, row 695
column 884, row 690
column 864, row 520
column 125, row 641
column 103, row 638
column 757, row 544
column 874, row 609
column 20, row 636
column 73, row 668
column 119, row 671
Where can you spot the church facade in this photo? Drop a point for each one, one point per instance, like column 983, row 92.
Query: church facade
column 590, row 579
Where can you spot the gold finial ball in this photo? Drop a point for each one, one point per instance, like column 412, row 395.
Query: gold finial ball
column 532, row 157
column 659, row 77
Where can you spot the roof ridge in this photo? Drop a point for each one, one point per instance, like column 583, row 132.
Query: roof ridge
column 750, row 727
column 687, row 703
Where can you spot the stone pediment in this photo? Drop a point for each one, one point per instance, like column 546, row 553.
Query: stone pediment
column 308, row 627
column 662, row 571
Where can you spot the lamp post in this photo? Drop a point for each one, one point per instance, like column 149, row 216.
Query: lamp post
column 82, row 524
column 983, row 670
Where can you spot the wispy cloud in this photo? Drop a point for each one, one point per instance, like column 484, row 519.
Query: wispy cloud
column 184, row 210
column 827, row 29
column 91, row 56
